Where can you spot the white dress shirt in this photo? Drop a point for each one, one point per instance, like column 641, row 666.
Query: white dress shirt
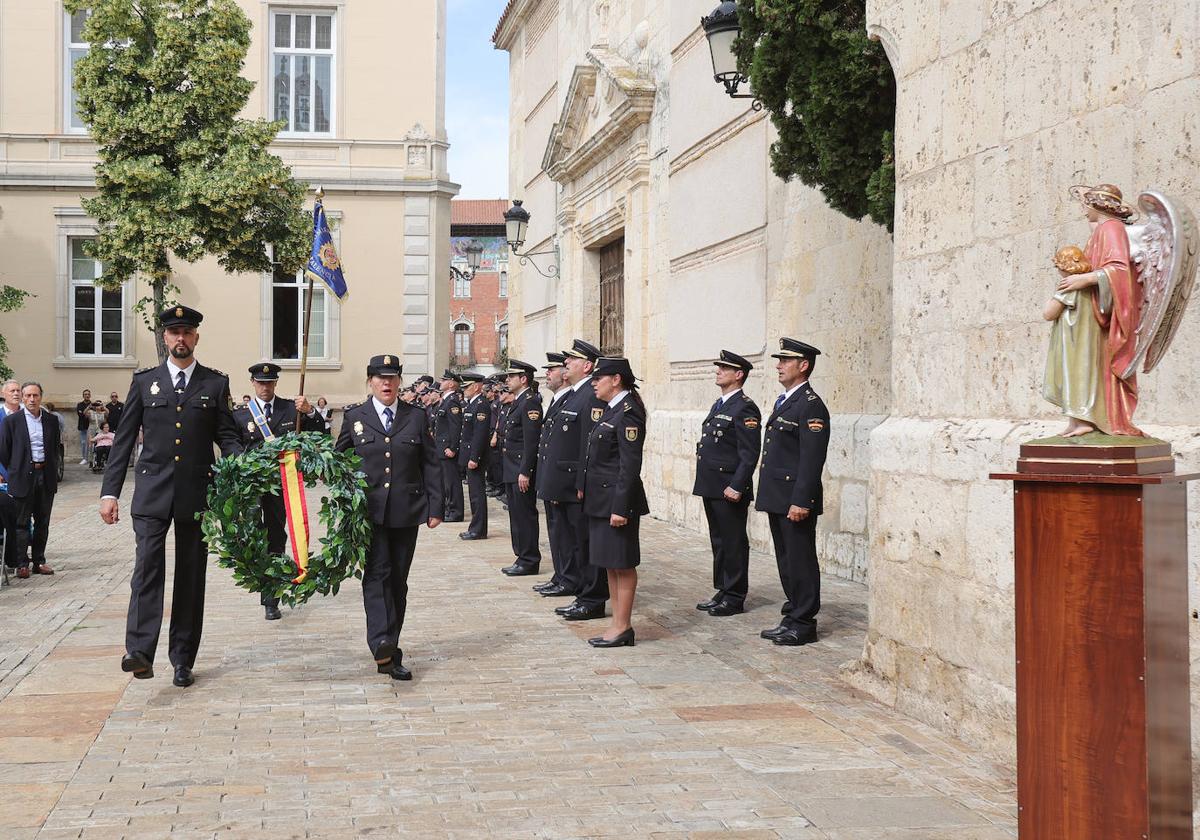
column 37, row 443
column 379, row 407
column 725, row 397
column 174, row 369
column 617, row 399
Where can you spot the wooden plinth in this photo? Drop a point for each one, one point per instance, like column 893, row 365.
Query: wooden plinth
column 1103, row 712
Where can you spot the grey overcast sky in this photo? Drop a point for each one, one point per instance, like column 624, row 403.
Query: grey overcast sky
column 476, row 99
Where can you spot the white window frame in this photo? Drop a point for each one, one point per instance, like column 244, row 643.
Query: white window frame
column 97, row 307
column 461, row 283
column 464, row 330
column 312, row 52
column 300, row 283
column 332, row 359
column 502, row 279
column 68, row 86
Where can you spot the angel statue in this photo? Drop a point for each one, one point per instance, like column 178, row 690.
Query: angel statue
column 1117, row 305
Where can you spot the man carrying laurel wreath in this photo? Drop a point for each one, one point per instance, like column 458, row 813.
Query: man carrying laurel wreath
column 280, row 417
column 183, row 409
column 404, row 489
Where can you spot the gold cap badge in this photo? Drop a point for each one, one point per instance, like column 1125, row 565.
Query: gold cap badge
column 387, row 360
column 266, row 369
column 178, row 311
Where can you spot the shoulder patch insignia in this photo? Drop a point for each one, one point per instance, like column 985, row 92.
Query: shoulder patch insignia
column 751, row 422
column 535, row 415
column 597, row 413
column 631, row 433
column 816, row 425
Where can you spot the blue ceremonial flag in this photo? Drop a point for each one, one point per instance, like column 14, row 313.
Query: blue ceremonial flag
column 324, row 264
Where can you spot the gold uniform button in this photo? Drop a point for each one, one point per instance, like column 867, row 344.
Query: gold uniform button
column 178, row 425
column 176, row 457
column 386, row 485
column 387, row 454
column 387, row 440
column 387, row 469
column 179, row 408
column 178, row 441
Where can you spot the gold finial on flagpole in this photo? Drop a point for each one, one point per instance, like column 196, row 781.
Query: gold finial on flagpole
column 320, row 192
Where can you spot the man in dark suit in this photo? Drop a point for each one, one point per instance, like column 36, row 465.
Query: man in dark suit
column 280, row 417
column 472, row 453
column 556, row 476
column 447, row 433
column 115, row 409
column 404, row 490
column 29, row 451
column 589, row 582
column 495, row 464
column 183, row 409
column 518, row 448
column 11, row 391
column 790, row 493
column 726, row 455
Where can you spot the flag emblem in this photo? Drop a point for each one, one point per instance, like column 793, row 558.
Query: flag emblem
column 329, row 257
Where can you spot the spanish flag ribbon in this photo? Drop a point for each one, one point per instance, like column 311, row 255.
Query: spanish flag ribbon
column 294, row 503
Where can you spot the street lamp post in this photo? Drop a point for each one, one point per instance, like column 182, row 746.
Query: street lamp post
column 474, row 253
column 516, row 224
column 721, row 28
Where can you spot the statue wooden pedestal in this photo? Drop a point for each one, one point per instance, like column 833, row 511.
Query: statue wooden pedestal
column 1103, row 711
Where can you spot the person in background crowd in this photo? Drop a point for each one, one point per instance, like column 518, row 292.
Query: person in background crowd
column 324, row 410
column 62, row 421
column 11, row 390
column 29, row 451
column 476, row 428
column 102, row 445
column 518, row 445
column 114, row 408
column 495, row 469
column 245, row 400
column 447, row 433
column 81, row 425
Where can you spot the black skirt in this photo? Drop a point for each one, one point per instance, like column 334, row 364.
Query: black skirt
column 614, row 548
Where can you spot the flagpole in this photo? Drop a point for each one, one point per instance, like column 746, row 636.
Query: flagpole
column 307, row 321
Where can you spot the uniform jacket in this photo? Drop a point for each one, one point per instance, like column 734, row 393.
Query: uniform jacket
column 612, row 471
column 447, row 424
column 793, row 454
column 730, row 442
column 16, row 453
column 476, row 431
column 404, row 479
column 499, row 413
column 519, row 436
column 172, row 475
column 564, row 442
column 282, row 422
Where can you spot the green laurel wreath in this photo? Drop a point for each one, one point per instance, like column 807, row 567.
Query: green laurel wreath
column 234, row 530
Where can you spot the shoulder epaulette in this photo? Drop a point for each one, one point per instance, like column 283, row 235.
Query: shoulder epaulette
column 350, row 406
column 145, row 370
column 219, row 372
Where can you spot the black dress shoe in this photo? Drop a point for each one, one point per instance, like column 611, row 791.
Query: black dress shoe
column 384, row 654
column 398, row 671
column 773, row 632
column 581, row 613
column 792, row 637
column 546, row 584
column 726, row 608
column 183, row 676
column 467, row 535
column 624, row 640
column 705, row 606
column 567, row 608
column 556, row 591
column 272, row 612
column 453, row 519
column 137, row 664
column 519, row 570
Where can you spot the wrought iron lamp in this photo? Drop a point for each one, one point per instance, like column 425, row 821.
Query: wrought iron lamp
column 516, row 224
column 721, row 28
column 474, row 253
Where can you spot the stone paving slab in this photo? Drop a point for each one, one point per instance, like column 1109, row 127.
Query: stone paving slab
column 513, row 726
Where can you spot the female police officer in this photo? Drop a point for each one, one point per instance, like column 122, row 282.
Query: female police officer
column 404, row 489
column 613, row 497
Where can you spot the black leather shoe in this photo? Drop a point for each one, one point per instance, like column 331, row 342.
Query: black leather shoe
column 580, row 613
column 453, row 519
column 773, row 632
column 272, row 612
column 546, row 584
column 518, row 570
column 183, row 676
column 705, row 606
column 624, row 640
column 398, row 671
column 137, row 664
column 384, row 655
column 467, row 535
column 556, row 591
column 792, row 637
column 726, row 608
column 567, row 608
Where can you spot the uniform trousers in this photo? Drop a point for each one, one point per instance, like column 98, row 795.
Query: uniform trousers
column 385, row 583
column 523, row 524
column 452, row 490
column 593, row 580
column 149, row 580
column 37, row 506
column 274, row 516
column 476, row 489
column 796, row 556
column 730, row 547
column 495, row 468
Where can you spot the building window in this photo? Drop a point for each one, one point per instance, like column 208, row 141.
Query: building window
column 76, row 48
column 289, row 294
column 302, row 67
column 97, row 315
column 502, row 338
column 462, row 343
column 504, row 281
column 462, row 284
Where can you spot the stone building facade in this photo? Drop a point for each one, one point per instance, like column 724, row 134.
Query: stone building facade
column 479, row 303
column 934, row 347
column 325, row 67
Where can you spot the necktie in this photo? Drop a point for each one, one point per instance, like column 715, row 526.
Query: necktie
column 267, row 411
column 387, row 419
column 779, row 401
column 716, row 406
column 180, row 382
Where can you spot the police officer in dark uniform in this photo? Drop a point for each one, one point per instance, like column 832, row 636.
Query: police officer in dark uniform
column 404, row 490
column 789, row 490
column 495, row 469
column 551, row 479
column 280, row 416
column 447, row 433
column 183, row 409
column 726, row 456
column 518, row 448
column 589, row 582
column 472, row 453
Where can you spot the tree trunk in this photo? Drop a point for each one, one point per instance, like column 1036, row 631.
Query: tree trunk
column 159, row 279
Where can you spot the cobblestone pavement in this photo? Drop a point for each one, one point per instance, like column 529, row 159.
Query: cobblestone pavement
column 513, row 726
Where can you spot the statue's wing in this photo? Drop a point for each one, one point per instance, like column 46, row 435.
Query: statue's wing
column 1166, row 248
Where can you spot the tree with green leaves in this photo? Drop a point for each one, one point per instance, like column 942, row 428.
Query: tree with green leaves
column 11, row 298
column 831, row 95
column 180, row 173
